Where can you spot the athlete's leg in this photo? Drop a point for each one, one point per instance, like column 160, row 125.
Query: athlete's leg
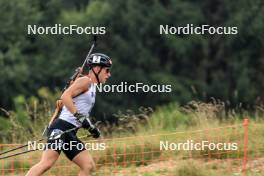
column 85, row 162
column 49, row 157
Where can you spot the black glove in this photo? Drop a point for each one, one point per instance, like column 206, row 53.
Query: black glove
column 84, row 120
column 95, row 132
column 79, row 116
column 87, row 124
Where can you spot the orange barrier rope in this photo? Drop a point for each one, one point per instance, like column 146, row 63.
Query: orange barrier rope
column 149, row 153
column 245, row 145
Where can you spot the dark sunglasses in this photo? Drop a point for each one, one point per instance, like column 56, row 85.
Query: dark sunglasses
column 107, row 70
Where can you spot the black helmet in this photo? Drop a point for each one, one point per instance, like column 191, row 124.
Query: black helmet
column 99, row 59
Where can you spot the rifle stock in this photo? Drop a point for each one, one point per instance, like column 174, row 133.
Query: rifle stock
column 58, row 108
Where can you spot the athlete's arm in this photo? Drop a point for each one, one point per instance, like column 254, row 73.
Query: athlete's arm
column 79, row 86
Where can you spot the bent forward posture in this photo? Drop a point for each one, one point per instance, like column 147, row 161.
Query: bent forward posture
column 78, row 101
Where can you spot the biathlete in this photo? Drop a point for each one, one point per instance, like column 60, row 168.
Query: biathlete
column 78, row 101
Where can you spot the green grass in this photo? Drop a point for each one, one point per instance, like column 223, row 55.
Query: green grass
column 196, row 121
